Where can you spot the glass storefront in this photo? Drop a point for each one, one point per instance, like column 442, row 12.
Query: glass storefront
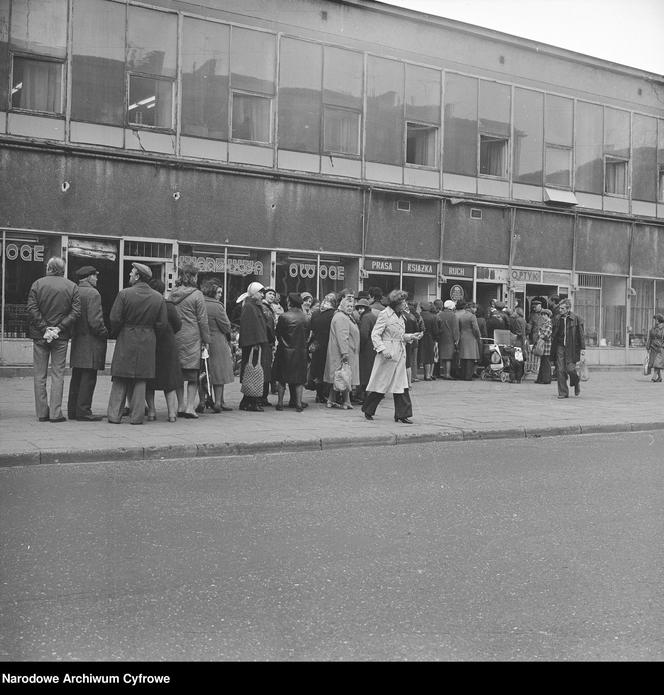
column 319, row 274
column 418, row 278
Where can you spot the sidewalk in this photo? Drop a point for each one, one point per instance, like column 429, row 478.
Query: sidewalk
column 614, row 400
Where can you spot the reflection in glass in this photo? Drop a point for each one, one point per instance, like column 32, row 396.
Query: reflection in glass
column 616, row 132
column 558, row 166
column 37, row 85
column 40, row 26
column 460, row 131
column 253, row 60
column 98, row 63
column 558, row 120
column 642, row 309
column 300, row 78
column 528, row 136
column 644, row 158
column 494, row 108
column 422, row 94
column 150, row 102
column 385, row 128
column 205, row 66
column 588, row 149
column 614, row 310
column 151, row 41
column 342, row 77
column 4, row 51
column 251, row 117
column 341, row 130
column 587, row 307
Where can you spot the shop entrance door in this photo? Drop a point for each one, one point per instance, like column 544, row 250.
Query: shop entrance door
column 486, row 291
column 162, row 270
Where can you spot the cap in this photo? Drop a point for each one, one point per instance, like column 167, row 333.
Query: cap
column 499, row 305
column 143, row 270
column 362, row 302
column 449, row 304
column 85, row 271
column 536, row 301
column 295, row 298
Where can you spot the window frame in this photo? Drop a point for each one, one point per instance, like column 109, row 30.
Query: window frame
column 325, row 151
column 660, row 183
column 267, row 97
column 38, row 57
column 495, row 138
column 147, row 126
column 436, row 145
column 612, row 159
column 561, row 148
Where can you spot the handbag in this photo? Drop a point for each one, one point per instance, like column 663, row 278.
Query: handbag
column 538, row 348
column 252, row 378
column 582, row 370
column 342, row 378
column 646, row 363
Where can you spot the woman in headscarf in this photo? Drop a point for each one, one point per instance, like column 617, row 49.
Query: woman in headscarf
column 256, row 329
column 318, row 341
column 448, row 337
column 389, row 371
column 343, row 349
column 220, row 359
column 192, row 338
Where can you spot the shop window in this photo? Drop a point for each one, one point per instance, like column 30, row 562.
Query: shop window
column 341, row 128
column 615, row 176
column 150, row 102
column 642, row 310
column 421, row 142
column 36, row 84
column 251, row 117
column 493, row 155
column 558, row 166
column 587, row 307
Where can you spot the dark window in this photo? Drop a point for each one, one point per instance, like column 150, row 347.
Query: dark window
column 615, row 175
column 494, row 124
column 341, row 130
column 342, row 100
column 421, row 144
column 493, row 155
column 460, row 131
column 251, row 117
column 36, row 85
column 559, row 138
column 150, row 102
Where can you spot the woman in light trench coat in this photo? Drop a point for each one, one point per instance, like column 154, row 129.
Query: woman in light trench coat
column 389, row 371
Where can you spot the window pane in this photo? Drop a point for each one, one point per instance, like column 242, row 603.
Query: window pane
column 251, row 118
column 642, row 308
column 460, row 132
column 98, row 62
column 151, row 41
column 586, row 306
column 37, row 85
column 615, row 176
column 616, row 132
column 528, row 136
column 342, row 77
column 421, row 144
column 558, row 166
column 493, row 156
column 494, row 108
column 644, row 163
column 559, row 120
column 342, row 131
column 422, row 94
column 614, row 310
column 253, row 59
column 150, row 102
column 385, row 126
column 300, row 78
column 589, row 129
column 4, row 51
column 205, row 57
column 40, row 26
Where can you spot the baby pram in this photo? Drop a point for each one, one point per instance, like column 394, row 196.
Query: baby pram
column 505, row 361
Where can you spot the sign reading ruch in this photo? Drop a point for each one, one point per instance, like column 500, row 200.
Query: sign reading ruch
column 458, row 271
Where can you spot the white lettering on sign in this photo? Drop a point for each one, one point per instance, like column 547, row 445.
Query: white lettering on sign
column 216, row 264
column 456, row 271
column 526, row 275
column 381, row 265
column 25, row 252
column 426, row 268
column 308, row 271
column 456, row 293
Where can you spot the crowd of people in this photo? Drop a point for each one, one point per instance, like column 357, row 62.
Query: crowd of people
column 350, row 348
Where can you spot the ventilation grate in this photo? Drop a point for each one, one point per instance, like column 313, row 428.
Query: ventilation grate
column 590, row 281
column 475, row 214
column 403, row 205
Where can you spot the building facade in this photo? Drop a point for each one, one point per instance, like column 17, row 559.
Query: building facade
column 319, row 144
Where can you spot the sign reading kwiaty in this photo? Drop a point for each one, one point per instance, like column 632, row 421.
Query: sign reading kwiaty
column 219, row 264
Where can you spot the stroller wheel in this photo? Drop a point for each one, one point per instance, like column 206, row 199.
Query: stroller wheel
column 504, row 377
column 483, row 375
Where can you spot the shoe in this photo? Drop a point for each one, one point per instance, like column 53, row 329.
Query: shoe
column 62, row 418
column 368, row 417
column 258, row 408
column 278, row 408
column 215, row 409
column 44, row 419
column 298, row 408
column 172, row 418
column 181, row 413
column 200, row 408
column 189, row 416
column 151, row 418
column 405, row 420
column 347, row 406
column 92, row 418
column 125, row 412
column 242, row 406
column 577, row 389
column 563, row 396
column 427, row 378
column 114, row 422
column 226, row 408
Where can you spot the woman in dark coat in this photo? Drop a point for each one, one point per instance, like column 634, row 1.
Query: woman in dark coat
column 367, row 351
column 168, row 374
column 318, row 341
column 290, row 361
column 254, row 336
column 220, row 359
column 429, row 339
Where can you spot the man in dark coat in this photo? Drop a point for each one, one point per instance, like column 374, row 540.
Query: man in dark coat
column 54, row 304
column 138, row 311
column 88, row 348
column 321, row 319
column 290, row 362
column 367, row 321
column 568, row 346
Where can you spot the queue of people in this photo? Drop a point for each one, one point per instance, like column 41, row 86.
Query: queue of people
column 350, row 348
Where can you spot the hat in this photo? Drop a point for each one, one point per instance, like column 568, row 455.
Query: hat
column 659, row 317
column 449, row 304
column 536, row 301
column 500, row 305
column 143, row 270
column 362, row 302
column 295, row 299
column 306, row 295
column 268, row 289
column 252, row 289
column 85, row 271
column 426, row 306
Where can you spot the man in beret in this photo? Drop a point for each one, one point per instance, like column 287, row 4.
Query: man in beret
column 137, row 313
column 88, row 347
column 54, row 305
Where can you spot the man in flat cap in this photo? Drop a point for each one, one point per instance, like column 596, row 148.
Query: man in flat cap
column 54, row 305
column 137, row 313
column 88, row 347
column 567, row 346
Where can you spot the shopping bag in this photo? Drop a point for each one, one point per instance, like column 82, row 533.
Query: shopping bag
column 538, row 348
column 252, row 379
column 582, row 370
column 342, row 378
column 646, row 363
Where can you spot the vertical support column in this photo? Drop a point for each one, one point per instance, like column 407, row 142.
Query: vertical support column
column 2, row 303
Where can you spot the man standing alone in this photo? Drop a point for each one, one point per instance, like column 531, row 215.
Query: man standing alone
column 54, row 305
column 88, row 348
column 568, row 346
column 136, row 313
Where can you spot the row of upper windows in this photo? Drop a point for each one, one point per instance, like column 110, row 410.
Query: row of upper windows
column 125, row 70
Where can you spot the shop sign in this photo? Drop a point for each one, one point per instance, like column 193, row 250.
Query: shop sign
column 381, row 265
column 456, row 293
column 517, row 275
column 217, row 264
column 506, row 275
column 25, row 252
column 458, row 271
column 419, row 268
column 556, row 278
column 308, row 271
column 496, row 274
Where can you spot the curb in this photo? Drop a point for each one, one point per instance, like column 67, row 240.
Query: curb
column 225, row 449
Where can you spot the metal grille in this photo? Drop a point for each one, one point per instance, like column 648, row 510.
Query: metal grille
column 590, row 281
column 475, row 214
column 403, row 205
column 148, row 249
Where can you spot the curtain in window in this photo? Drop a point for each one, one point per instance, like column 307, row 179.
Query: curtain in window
column 492, row 157
column 616, row 174
column 251, row 118
column 341, row 131
column 421, row 146
column 36, row 85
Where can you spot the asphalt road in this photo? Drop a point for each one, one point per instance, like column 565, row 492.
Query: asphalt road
column 531, row 550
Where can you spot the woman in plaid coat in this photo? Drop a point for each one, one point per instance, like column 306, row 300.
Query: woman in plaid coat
column 543, row 365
